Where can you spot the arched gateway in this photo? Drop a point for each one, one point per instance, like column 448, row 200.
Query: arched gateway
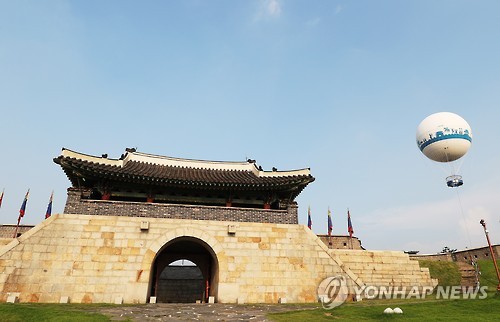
column 180, row 283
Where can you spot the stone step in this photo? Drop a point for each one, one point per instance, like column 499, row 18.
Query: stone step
column 385, row 268
column 468, row 273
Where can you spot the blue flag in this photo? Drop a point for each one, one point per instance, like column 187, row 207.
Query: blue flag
column 330, row 225
column 309, row 220
column 23, row 206
column 49, row 207
column 349, row 224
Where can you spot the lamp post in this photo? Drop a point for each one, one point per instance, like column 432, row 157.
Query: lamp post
column 483, row 223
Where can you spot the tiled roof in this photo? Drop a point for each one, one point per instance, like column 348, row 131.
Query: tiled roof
column 153, row 170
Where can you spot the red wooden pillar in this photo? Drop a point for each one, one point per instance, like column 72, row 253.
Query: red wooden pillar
column 207, row 290
column 229, row 201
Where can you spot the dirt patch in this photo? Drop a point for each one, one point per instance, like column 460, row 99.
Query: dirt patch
column 198, row 312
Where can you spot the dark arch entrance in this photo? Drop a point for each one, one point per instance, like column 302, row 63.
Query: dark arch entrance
column 184, row 284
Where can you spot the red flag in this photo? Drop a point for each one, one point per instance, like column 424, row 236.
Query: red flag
column 349, row 224
column 1, row 197
column 309, row 220
column 49, row 207
column 23, row 206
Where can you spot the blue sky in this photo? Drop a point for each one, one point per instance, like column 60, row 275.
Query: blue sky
column 337, row 86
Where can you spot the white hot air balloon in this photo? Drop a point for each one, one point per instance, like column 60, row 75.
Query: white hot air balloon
column 445, row 137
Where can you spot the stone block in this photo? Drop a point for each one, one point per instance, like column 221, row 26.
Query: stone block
column 228, row 292
column 64, row 299
column 144, row 225
column 12, row 299
column 91, row 228
column 118, row 300
column 211, row 299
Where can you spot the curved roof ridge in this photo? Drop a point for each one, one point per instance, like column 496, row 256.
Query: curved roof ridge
column 212, row 165
column 190, row 163
column 183, row 163
column 297, row 172
column 90, row 158
column 184, row 159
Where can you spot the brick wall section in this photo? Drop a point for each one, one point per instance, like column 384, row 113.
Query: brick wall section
column 462, row 255
column 341, row 242
column 7, row 231
column 434, row 257
column 477, row 253
column 76, row 205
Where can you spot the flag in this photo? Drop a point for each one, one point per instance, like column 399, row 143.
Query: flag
column 49, row 207
column 1, row 197
column 309, row 220
column 349, row 224
column 330, row 225
column 23, row 206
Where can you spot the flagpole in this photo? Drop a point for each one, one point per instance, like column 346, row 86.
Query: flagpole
column 330, row 228
column 17, row 227
column 21, row 212
column 349, row 228
column 350, row 236
column 1, row 197
column 483, row 223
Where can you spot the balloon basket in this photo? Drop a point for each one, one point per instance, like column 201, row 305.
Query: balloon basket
column 454, row 181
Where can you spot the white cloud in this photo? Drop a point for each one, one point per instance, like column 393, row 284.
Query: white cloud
column 273, row 7
column 313, row 22
column 269, row 9
column 338, row 9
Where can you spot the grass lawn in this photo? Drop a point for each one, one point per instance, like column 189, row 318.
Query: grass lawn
column 369, row 310
column 488, row 275
column 413, row 310
column 24, row 312
column 447, row 272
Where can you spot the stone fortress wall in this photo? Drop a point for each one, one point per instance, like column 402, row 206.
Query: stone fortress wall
column 466, row 255
column 109, row 259
column 101, row 258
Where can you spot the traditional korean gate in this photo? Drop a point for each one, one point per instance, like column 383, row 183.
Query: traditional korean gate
column 176, row 283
